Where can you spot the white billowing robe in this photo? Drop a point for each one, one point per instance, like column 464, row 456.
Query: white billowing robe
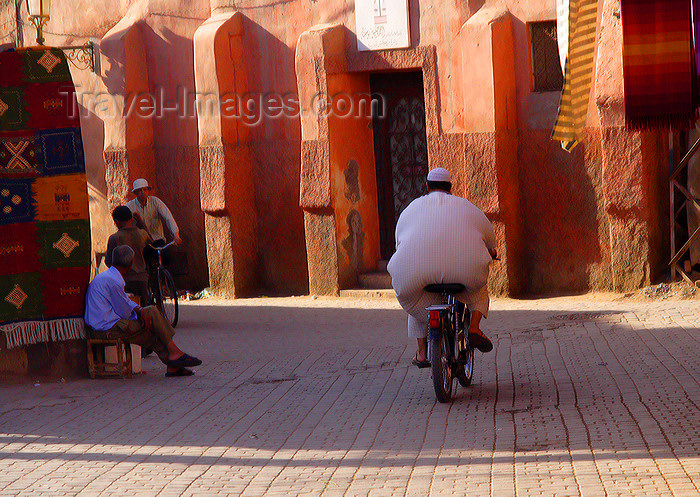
column 440, row 238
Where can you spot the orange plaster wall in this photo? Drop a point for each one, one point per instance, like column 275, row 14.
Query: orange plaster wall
column 351, row 150
column 269, row 39
column 136, row 68
column 476, row 111
column 560, row 195
column 168, row 53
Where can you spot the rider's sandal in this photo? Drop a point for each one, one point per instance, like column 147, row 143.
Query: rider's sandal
column 480, row 342
column 420, row 364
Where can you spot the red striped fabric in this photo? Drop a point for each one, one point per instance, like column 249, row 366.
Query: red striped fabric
column 696, row 27
column 658, row 61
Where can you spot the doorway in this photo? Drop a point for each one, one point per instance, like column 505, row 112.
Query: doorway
column 400, row 148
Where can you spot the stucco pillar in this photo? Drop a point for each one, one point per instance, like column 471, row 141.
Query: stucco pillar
column 486, row 158
column 226, row 164
column 127, row 109
column 318, row 50
column 634, row 170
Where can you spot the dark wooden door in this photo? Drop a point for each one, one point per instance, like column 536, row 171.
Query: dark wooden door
column 400, row 148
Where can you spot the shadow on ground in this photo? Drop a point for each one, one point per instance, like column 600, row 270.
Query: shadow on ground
column 330, row 377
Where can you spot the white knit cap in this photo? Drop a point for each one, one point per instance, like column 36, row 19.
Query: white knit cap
column 439, row 174
column 140, row 183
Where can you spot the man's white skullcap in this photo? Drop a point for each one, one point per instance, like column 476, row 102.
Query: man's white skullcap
column 439, row 174
column 140, row 183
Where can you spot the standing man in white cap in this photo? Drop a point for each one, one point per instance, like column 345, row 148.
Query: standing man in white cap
column 441, row 238
column 149, row 212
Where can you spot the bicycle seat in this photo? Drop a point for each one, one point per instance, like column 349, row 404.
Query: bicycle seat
column 445, row 288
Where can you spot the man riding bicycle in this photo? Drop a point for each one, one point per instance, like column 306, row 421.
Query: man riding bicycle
column 441, row 238
column 149, row 213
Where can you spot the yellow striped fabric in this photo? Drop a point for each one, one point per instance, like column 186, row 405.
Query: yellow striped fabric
column 578, row 75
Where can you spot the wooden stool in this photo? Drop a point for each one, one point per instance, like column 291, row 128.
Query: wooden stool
column 96, row 357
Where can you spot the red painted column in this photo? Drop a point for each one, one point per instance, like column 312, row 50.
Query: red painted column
column 226, row 163
column 128, row 145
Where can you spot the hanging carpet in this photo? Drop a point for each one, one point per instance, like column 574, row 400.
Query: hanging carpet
column 658, row 63
column 45, row 248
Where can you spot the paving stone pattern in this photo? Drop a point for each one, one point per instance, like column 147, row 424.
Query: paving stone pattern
column 301, row 396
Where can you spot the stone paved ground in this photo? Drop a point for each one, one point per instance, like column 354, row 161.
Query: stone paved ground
column 582, row 396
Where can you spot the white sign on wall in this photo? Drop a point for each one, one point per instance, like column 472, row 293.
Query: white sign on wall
column 382, row 24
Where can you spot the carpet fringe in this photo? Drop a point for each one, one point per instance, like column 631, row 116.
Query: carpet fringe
column 31, row 332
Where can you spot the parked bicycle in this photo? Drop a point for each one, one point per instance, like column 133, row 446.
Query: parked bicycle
column 451, row 356
column 162, row 288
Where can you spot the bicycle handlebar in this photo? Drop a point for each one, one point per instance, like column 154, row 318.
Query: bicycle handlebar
column 159, row 249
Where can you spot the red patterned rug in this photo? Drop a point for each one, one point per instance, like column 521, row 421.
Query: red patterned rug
column 658, row 63
column 45, row 250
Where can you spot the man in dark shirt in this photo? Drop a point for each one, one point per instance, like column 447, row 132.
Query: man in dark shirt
column 136, row 238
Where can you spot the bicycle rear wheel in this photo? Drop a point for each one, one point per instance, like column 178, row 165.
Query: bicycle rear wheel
column 441, row 368
column 466, row 371
column 167, row 297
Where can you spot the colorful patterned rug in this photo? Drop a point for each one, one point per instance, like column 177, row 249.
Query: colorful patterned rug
column 658, row 62
column 696, row 33
column 45, row 250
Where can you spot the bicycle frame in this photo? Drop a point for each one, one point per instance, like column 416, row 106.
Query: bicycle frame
column 437, row 315
column 157, row 270
column 160, row 259
column 159, row 276
column 449, row 352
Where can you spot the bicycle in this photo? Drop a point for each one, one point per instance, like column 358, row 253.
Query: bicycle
column 162, row 288
column 451, row 355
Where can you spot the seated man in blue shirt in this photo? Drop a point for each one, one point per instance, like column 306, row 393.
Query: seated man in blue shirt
column 110, row 314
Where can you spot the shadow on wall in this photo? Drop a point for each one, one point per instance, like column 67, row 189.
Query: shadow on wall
column 559, row 205
column 173, row 155
column 101, row 224
column 176, row 148
column 276, row 149
column 414, row 20
column 114, row 76
column 475, row 5
column 560, row 193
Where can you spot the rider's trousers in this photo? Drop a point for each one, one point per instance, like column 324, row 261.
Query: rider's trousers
column 418, row 317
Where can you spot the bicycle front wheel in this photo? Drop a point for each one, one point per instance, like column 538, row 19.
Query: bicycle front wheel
column 167, row 297
column 441, row 368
